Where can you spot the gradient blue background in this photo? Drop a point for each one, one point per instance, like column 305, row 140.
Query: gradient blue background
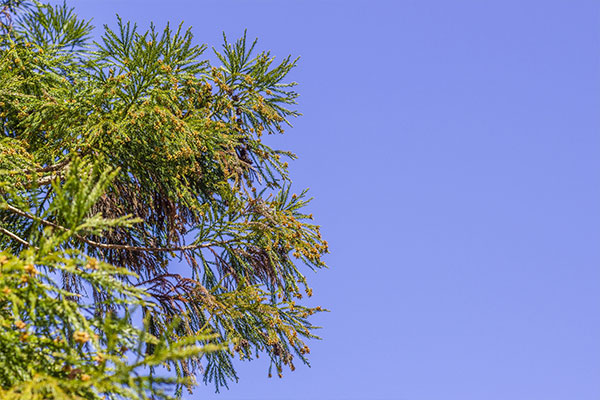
column 453, row 150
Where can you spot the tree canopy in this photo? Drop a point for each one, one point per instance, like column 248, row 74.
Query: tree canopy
column 143, row 220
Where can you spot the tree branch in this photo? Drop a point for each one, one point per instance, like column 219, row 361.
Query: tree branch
column 15, row 237
column 46, row 180
column 54, row 167
column 107, row 246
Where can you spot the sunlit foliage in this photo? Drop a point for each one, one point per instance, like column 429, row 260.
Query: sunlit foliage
column 123, row 157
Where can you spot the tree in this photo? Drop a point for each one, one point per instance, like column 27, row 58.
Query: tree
column 118, row 159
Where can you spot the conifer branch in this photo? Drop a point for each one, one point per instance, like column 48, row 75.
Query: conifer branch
column 108, row 246
column 55, row 167
column 46, row 180
column 15, row 237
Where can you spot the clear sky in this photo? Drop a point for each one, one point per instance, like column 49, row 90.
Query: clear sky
column 453, row 149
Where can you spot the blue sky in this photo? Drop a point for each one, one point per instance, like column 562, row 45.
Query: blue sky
column 453, row 149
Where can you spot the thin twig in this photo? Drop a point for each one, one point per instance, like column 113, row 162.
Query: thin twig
column 15, row 237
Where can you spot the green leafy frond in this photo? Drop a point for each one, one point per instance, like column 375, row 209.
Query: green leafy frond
column 53, row 28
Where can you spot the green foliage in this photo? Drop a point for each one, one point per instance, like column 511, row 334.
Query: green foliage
column 53, row 344
column 119, row 158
